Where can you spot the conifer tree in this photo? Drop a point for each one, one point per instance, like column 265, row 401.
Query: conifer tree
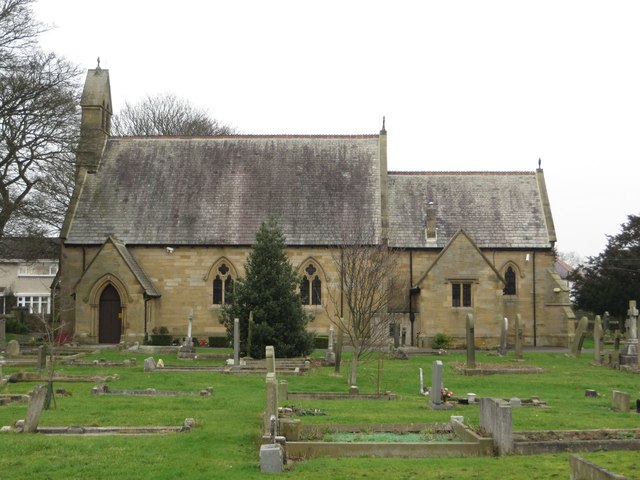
column 269, row 292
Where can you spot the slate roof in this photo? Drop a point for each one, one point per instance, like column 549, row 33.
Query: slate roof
column 136, row 269
column 218, row 190
column 496, row 209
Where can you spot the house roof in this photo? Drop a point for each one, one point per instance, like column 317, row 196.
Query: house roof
column 496, row 209
column 218, row 190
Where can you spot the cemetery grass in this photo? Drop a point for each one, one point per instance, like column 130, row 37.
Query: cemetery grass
column 225, row 442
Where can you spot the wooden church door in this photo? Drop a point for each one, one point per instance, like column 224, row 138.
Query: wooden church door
column 110, row 324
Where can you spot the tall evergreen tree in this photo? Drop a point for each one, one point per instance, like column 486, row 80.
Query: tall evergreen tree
column 269, row 292
column 608, row 281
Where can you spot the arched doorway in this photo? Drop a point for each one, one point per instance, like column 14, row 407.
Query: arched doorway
column 110, row 324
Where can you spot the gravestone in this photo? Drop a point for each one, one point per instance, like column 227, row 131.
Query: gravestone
column 36, row 404
column 149, row 364
column 630, row 351
column 421, row 382
column 436, row 401
column 13, row 348
column 271, row 408
column 496, row 418
column 504, row 334
column 236, row 342
column 436, row 382
column 188, row 346
column 518, row 329
column 270, row 359
column 271, row 458
column 283, row 390
column 42, row 357
column 578, row 339
column 620, row 401
column 471, row 346
column 605, row 322
column 597, row 340
column 330, row 356
column 3, row 333
column 396, row 335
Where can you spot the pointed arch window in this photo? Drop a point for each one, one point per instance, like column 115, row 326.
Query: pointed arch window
column 510, row 282
column 222, row 284
column 311, row 286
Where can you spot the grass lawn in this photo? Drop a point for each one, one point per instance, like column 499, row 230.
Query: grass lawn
column 225, row 442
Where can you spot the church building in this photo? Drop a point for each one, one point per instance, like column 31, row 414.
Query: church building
column 159, row 228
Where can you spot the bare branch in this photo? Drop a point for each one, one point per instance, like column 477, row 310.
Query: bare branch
column 166, row 114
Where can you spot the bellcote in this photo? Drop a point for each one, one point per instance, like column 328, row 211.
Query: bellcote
column 95, row 125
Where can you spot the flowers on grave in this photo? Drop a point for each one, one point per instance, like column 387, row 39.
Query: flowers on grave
column 203, row 342
column 446, row 394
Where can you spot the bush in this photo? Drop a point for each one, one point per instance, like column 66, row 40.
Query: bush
column 321, row 342
column 14, row 325
column 161, row 339
column 441, row 341
column 218, row 342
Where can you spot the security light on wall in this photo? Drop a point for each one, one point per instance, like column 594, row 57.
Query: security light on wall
column 169, row 250
column 526, row 258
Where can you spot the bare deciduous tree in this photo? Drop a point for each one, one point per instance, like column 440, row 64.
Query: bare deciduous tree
column 368, row 282
column 38, row 121
column 166, row 114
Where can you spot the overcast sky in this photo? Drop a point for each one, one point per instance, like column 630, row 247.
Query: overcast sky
column 464, row 85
